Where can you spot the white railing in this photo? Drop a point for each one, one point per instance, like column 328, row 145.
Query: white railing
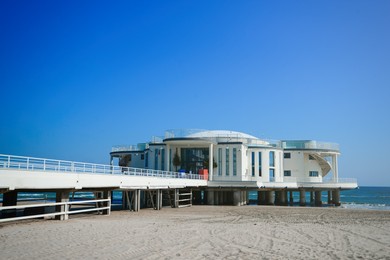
column 65, row 211
column 50, row 165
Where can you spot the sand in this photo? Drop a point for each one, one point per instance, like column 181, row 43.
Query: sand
column 204, row 232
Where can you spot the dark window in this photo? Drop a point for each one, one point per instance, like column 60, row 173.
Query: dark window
column 287, row 173
column 287, row 155
column 142, row 156
column 313, row 173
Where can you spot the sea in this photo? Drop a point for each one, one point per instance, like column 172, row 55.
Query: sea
column 372, row 198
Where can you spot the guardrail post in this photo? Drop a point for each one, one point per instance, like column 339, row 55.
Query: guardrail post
column 62, row 196
column 107, row 195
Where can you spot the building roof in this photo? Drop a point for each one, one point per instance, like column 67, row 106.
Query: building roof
column 220, row 133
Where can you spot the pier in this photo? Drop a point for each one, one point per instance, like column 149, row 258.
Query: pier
column 141, row 188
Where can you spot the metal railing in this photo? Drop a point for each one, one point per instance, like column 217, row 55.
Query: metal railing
column 65, row 211
column 50, row 165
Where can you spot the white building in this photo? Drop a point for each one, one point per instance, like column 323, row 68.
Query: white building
column 237, row 162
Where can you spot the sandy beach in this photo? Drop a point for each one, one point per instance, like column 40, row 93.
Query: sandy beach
column 205, row 232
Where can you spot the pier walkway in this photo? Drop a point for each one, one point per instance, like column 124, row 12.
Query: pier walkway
column 26, row 174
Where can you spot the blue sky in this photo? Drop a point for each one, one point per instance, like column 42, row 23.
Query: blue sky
column 78, row 77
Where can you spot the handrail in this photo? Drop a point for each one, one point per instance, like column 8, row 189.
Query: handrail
column 52, row 165
column 65, row 211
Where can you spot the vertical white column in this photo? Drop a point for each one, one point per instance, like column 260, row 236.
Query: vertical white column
column 211, row 162
column 336, row 170
column 167, row 159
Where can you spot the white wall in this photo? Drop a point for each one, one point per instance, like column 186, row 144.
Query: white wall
column 300, row 166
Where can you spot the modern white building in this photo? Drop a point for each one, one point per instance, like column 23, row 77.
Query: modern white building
column 235, row 162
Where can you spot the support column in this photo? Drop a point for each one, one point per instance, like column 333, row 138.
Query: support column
column 158, row 199
column 211, row 162
column 269, row 198
column 336, row 197
column 302, row 197
column 318, row 201
column 10, row 198
column 237, row 198
column 329, row 197
column 62, row 196
column 291, row 200
column 261, row 198
column 311, row 197
column 221, row 198
column 282, row 197
column 137, row 200
column 216, row 197
column 107, row 195
column 124, row 200
column 210, row 197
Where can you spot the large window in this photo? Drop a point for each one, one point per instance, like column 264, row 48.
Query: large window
column 163, row 159
column 253, row 164
column 271, row 174
column 194, row 159
column 234, row 161
column 227, row 161
column 220, row 161
column 272, row 159
column 147, row 160
column 287, row 173
column 156, row 152
column 259, row 164
column 313, row 173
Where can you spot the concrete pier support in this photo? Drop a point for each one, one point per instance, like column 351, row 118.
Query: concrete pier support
column 302, row 197
column 282, row 197
column 336, row 197
column 136, row 200
column 216, row 197
column 311, row 197
column 260, row 198
column 62, row 196
column 329, row 197
column 210, row 197
column 269, row 198
column 10, row 198
column 158, row 205
column 291, row 200
column 237, row 198
column 318, row 201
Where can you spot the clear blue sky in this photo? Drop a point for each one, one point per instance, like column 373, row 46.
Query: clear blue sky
column 78, row 77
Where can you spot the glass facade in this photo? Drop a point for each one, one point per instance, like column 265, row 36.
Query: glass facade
column 220, row 161
column 253, row 164
column 234, row 161
column 259, row 164
column 156, row 152
column 271, row 174
column 194, row 159
column 147, row 160
column 227, row 162
column 272, row 159
column 163, row 159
